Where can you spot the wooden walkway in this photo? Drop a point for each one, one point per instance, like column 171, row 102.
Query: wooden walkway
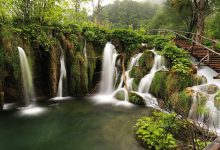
column 205, row 55
column 202, row 54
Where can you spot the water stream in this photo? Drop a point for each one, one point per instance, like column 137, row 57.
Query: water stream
column 207, row 115
column 108, row 70
column 27, row 81
column 145, row 83
column 62, row 80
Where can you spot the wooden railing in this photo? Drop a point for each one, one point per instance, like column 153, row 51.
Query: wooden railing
column 194, row 42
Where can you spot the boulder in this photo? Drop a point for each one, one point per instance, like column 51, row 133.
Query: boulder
column 136, row 99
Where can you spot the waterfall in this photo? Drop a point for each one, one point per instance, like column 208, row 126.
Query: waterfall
column 208, row 114
column 62, row 79
column 85, row 51
column 209, row 117
column 129, row 80
column 108, row 69
column 28, row 88
column 159, row 63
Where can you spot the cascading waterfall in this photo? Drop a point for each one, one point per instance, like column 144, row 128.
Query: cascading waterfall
column 28, row 88
column 62, row 79
column 207, row 115
column 134, row 62
column 159, row 63
column 108, row 69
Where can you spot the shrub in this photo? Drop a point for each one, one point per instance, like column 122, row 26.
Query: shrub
column 96, row 35
column 131, row 39
column 156, row 132
column 159, row 42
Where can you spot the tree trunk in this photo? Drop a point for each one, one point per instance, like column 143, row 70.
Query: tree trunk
column 201, row 20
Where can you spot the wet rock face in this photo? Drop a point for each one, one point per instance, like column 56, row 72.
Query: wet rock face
column 1, row 100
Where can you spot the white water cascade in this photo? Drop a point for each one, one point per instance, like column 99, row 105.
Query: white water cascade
column 208, row 115
column 145, row 83
column 62, row 79
column 129, row 80
column 28, row 88
column 108, row 69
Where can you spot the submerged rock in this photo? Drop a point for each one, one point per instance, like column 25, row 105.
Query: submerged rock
column 136, row 99
column 120, row 95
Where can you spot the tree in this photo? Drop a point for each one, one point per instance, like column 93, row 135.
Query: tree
column 185, row 10
column 204, row 8
column 97, row 8
column 128, row 13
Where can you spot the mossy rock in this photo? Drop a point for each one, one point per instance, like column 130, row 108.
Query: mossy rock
column 136, row 73
column 158, row 85
column 78, row 79
column 217, row 101
column 136, row 99
column 199, row 80
column 176, row 83
column 134, row 86
column 209, row 88
column 120, row 95
column 146, row 61
column 1, row 100
column 212, row 89
column 181, row 101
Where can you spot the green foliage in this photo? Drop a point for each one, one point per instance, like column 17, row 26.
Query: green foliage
column 179, row 58
column 181, row 102
column 36, row 33
column 128, row 13
column 176, row 83
column 159, row 42
column 156, row 132
column 129, row 38
column 96, row 35
column 136, row 99
column 202, row 144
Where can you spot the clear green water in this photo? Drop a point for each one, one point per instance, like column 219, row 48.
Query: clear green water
column 71, row 125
